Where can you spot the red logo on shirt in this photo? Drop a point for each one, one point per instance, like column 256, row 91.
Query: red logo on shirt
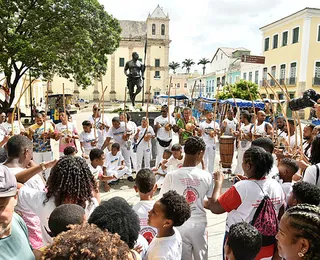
column 191, row 194
column 148, row 233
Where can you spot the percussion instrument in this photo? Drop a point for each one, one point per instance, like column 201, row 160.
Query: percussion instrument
column 226, row 150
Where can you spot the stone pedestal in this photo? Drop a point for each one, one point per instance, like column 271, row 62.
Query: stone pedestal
column 112, row 95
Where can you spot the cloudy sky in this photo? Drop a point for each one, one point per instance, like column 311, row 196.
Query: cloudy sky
column 198, row 29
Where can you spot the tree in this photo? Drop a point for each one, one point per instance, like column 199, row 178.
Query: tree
column 68, row 38
column 187, row 63
column 239, row 90
column 204, row 62
column 174, row 65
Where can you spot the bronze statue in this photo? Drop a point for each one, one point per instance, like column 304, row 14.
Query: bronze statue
column 135, row 76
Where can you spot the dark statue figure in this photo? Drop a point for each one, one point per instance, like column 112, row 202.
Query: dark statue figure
column 135, row 76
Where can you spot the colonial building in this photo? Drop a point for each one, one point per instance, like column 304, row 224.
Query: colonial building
column 179, row 83
column 291, row 46
column 155, row 30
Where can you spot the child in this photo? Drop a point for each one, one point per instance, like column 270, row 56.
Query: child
column 87, row 139
column 244, row 242
column 161, row 171
column 63, row 216
column 146, row 187
column 115, row 164
column 70, row 150
column 304, row 192
column 287, row 168
column 170, row 211
column 97, row 159
column 176, row 160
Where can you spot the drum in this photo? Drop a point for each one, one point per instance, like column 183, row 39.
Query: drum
column 226, row 150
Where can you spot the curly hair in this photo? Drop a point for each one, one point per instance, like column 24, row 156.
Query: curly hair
column 260, row 159
column 304, row 219
column 306, row 192
column 70, row 181
column 193, row 145
column 176, row 207
column 244, row 240
column 265, row 143
column 87, row 242
column 145, row 180
column 117, row 216
column 290, row 163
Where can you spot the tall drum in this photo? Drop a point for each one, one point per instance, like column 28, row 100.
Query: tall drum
column 226, row 150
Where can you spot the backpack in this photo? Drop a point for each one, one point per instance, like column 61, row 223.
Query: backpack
column 265, row 219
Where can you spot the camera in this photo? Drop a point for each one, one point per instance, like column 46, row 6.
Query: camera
column 308, row 99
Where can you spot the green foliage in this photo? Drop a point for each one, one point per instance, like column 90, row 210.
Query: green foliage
column 239, row 90
column 187, row 63
column 173, row 66
column 70, row 38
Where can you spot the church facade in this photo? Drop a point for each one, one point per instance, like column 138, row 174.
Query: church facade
column 135, row 34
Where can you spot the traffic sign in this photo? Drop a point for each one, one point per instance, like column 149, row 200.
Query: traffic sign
column 253, row 59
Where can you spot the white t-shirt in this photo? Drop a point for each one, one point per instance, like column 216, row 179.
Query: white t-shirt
column 310, row 175
column 243, row 198
column 3, row 132
column 162, row 134
column 33, row 199
column 293, row 141
column 165, row 248
column 174, row 164
column 231, row 124
column 112, row 162
column 207, row 127
column 194, row 184
column 143, row 144
column 142, row 209
column 117, row 134
column 245, row 144
column 133, row 127
column 287, row 188
column 96, row 171
column 260, row 129
column 101, row 134
column 86, row 139
column 306, row 149
column 17, row 126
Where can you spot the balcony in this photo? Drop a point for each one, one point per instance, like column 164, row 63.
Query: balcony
column 316, row 81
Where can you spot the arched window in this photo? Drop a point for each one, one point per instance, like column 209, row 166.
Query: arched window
column 153, row 29
column 163, row 29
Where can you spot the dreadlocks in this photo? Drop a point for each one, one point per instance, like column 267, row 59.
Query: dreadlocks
column 305, row 220
column 70, row 181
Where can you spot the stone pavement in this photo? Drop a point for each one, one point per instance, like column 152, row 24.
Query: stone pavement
column 216, row 223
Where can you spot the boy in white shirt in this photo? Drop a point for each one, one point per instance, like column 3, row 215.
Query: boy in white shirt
column 87, row 139
column 287, row 168
column 161, row 171
column 170, row 211
column 177, row 158
column 97, row 159
column 146, row 187
column 115, row 164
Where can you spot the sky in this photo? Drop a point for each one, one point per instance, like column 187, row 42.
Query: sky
column 198, row 28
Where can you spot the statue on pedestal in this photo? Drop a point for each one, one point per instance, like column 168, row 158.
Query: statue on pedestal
column 134, row 76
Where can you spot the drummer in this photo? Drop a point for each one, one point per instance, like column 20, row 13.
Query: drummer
column 229, row 125
column 186, row 125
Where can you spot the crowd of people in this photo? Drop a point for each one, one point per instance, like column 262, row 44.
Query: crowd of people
column 50, row 208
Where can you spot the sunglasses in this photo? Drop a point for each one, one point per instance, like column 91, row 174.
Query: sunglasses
column 163, row 111
column 96, row 109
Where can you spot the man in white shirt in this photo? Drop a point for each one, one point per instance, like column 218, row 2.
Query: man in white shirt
column 229, row 125
column 100, row 123
column 163, row 130
column 307, row 136
column 120, row 135
column 194, row 184
column 294, row 139
column 18, row 128
column 209, row 130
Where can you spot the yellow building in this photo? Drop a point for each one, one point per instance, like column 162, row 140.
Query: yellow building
column 180, row 84
column 291, row 46
column 134, row 34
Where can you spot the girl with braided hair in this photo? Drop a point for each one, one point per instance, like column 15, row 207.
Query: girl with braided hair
column 299, row 233
column 70, row 182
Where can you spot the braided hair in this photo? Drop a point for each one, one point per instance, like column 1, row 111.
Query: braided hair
column 70, row 181
column 305, row 220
